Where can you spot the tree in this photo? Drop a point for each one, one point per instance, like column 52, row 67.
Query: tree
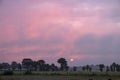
column 1, row 67
column 35, row 65
column 53, row 67
column 63, row 64
column 19, row 66
column 107, row 69
column 117, row 67
column 47, row 67
column 101, row 66
column 90, row 69
column 87, row 67
column 74, row 68
column 14, row 65
column 5, row 66
column 27, row 64
column 114, row 66
column 111, row 68
column 83, row 68
column 41, row 64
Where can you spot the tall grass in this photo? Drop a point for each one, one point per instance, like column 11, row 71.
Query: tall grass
column 8, row 73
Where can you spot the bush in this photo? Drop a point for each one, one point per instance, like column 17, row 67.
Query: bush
column 28, row 73
column 93, row 74
column 55, row 74
column 8, row 73
column 0, row 79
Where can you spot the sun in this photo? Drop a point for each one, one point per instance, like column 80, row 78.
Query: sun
column 71, row 59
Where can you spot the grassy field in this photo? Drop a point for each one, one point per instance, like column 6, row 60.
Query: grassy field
column 62, row 76
column 37, row 77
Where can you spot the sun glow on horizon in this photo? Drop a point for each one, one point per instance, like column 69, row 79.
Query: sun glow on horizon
column 71, row 59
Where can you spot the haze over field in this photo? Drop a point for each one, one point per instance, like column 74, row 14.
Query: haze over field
column 84, row 31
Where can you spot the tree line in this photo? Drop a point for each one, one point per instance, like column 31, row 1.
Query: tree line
column 114, row 67
column 40, row 65
column 30, row 65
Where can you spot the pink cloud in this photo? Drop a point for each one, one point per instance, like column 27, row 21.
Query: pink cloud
column 39, row 29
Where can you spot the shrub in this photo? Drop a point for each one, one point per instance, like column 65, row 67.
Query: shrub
column 28, row 72
column 8, row 73
column 93, row 74
column 0, row 79
column 55, row 74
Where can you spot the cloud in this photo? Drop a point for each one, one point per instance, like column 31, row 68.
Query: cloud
column 0, row 1
column 80, row 29
column 91, row 45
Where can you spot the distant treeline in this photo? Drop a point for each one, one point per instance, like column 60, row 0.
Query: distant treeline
column 28, row 64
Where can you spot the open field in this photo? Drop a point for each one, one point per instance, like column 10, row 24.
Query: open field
column 67, row 73
column 37, row 77
column 62, row 76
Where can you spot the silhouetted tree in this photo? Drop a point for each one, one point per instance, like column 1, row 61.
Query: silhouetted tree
column 83, row 68
column 88, row 68
column 101, row 67
column 41, row 64
column 35, row 65
column 113, row 66
column 117, row 67
column 74, row 68
column 63, row 64
column 19, row 66
column 5, row 66
column 27, row 64
column 107, row 69
column 47, row 67
column 14, row 65
column 1, row 67
column 53, row 67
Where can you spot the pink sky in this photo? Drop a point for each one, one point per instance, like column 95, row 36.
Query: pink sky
column 87, row 31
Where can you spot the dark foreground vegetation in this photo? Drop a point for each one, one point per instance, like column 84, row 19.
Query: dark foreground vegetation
column 62, row 75
column 57, row 78
column 59, row 73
